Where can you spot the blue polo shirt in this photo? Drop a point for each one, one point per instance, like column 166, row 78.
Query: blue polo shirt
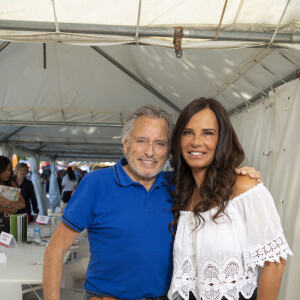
column 130, row 244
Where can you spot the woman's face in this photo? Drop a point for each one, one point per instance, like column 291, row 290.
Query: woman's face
column 199, row 139
column 22, row 172
column 6, row 174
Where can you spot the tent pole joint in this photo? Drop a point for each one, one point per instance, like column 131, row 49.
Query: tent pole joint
column 177, row 41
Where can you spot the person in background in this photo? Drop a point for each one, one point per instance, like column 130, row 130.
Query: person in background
column 7, row 206
column 27, row 191
column 229, row 243
column 69, row 184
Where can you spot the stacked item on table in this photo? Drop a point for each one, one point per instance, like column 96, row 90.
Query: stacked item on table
column 45, row 231
column 15, row 225
column 18, row 227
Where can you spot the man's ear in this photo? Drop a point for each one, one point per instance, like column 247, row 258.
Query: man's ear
column 125, row 145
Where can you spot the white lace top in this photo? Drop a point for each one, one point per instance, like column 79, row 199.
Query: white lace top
column 224, row 259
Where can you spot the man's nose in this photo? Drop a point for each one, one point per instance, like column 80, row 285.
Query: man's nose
column 149, row 150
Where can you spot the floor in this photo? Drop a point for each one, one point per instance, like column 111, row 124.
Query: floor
column 32, row 295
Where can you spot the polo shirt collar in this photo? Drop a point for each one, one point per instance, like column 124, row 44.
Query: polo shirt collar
column 123, row 178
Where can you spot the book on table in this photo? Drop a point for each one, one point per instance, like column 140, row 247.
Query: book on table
column 18, row 227
column 14, row 224
column 10, row 193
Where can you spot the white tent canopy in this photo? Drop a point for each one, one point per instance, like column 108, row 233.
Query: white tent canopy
column 65, row 101
column 72, row 71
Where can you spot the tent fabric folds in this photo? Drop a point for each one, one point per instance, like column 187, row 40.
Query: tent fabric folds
column 269, row 134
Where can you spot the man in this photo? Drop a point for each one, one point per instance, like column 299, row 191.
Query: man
column 127, row 210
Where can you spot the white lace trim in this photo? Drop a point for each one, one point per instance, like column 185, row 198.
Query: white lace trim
column 214, row 281
column 272, row 252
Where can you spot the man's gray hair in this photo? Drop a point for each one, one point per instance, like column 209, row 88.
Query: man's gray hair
column 147, row 111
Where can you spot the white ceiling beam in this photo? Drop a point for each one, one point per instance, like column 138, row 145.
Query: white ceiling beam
column 145, row 31
column 56, row 123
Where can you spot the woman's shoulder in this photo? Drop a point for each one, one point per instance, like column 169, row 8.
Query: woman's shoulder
column 243, row 184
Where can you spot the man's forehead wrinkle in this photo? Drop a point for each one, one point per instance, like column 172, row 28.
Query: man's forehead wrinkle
column 146, row 138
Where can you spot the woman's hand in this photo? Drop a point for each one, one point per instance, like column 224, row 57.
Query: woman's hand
column 9, row 210
column 5, row 201
column 251, row 172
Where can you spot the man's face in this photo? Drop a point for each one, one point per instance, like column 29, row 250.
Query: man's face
column 146, row 149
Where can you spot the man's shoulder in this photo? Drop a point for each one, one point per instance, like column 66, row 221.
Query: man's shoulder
column 105, row 173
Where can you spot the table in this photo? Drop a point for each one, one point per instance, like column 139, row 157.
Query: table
column 23, row 266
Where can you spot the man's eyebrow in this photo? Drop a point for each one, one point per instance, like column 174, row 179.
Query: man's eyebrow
column 143, row 137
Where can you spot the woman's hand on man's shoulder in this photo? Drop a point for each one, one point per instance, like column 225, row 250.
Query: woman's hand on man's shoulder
column 249, row 172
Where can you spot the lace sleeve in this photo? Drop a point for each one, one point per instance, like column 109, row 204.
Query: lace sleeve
column 266, row 241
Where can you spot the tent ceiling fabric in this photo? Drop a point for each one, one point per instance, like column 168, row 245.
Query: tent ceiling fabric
column 240, row 15
column 74, row 99
column 85, row 22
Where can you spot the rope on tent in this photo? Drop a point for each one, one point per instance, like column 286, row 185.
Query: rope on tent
column 221, row 19
column 55, row 18
column 138, row 24
column 275, row 32
column 121, row 119
column 238, row 12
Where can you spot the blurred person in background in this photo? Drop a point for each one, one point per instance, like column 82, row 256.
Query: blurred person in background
column 69, row 184
column 27, row 191
column 7, row 206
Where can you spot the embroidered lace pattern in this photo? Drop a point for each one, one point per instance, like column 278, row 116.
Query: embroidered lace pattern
column 215, row 281
column 273, row 251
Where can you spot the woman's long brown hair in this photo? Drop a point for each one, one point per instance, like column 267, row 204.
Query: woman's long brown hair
column 220, row 176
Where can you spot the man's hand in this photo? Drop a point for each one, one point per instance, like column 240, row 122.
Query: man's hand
column 251, row 172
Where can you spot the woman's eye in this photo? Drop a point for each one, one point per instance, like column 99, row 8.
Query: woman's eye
column 187, row 132
column 208, row 133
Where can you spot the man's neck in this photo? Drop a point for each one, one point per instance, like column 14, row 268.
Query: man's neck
column 146, row 182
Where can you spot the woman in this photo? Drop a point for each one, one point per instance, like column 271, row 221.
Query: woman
column 27, row 191
column 69, row 184
column 227, row 227
column 7, row 206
